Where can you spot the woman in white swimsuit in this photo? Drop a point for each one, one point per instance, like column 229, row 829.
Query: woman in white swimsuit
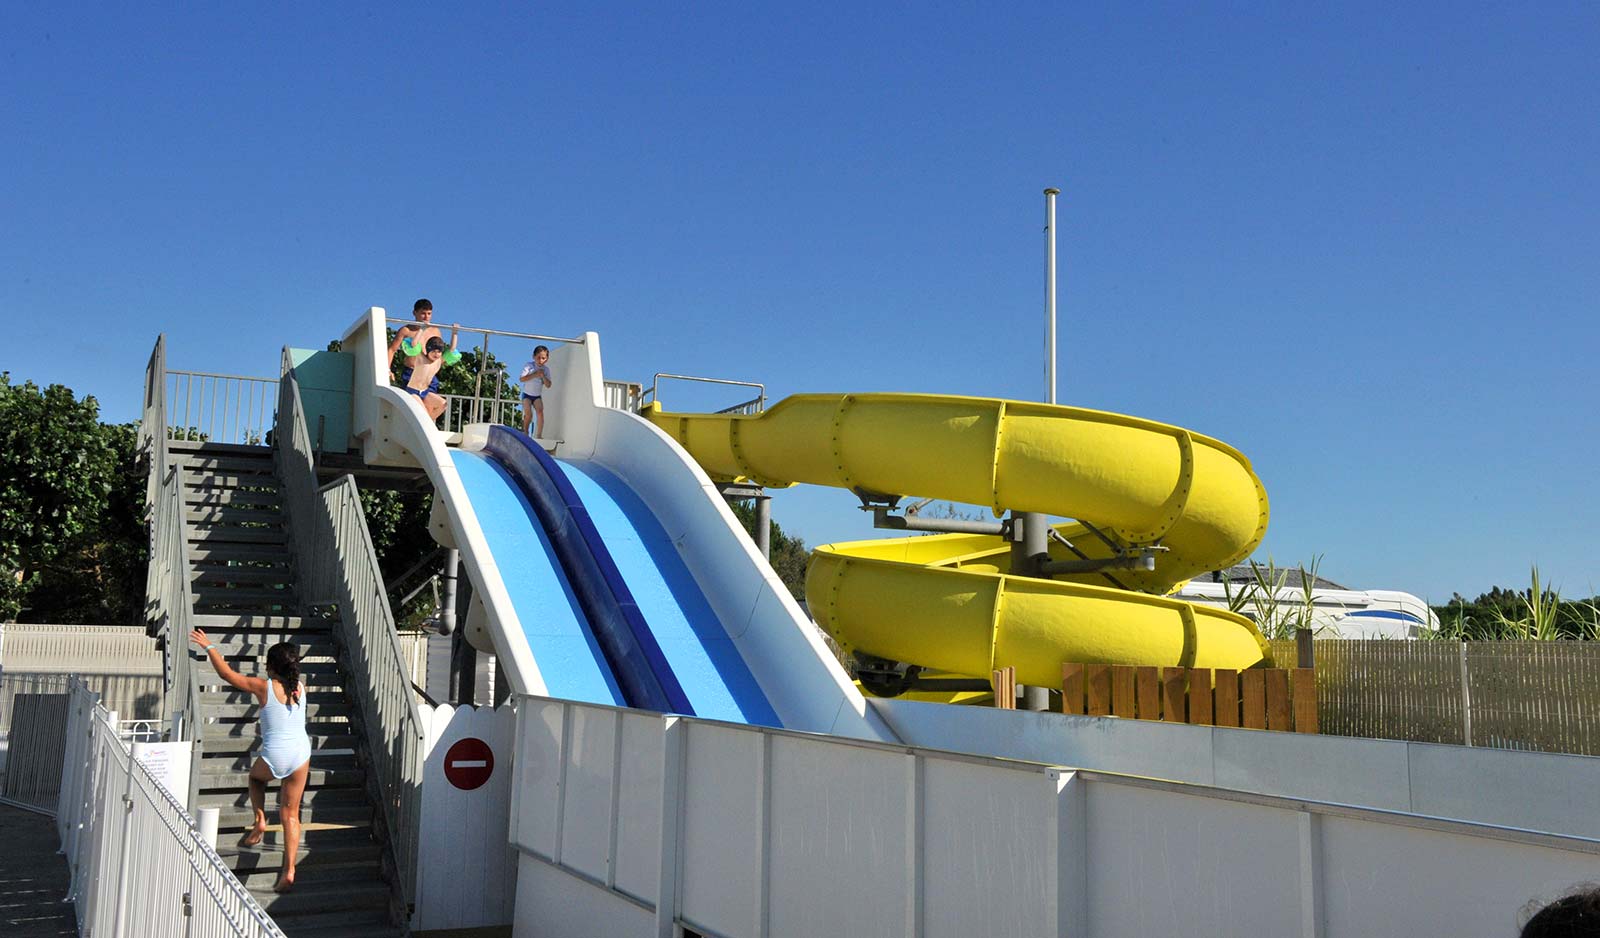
column 285, row 747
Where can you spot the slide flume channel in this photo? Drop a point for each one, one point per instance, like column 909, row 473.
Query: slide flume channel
column 950, row 602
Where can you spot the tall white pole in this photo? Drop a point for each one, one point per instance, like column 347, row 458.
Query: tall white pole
column 1050, row 294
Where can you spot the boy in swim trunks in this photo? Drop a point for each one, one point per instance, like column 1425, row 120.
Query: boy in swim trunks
column 535, row 378
column 413, row 339
column 422, row 378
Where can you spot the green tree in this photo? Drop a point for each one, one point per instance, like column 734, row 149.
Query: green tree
column 71, row 542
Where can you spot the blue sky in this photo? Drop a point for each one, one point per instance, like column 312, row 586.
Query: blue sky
column 1358, row 243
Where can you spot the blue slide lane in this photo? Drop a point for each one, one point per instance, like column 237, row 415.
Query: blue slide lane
column 617, row 622
column 558, row 632
column 697, row 647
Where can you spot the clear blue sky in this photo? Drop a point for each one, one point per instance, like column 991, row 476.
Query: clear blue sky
column 1360, row 244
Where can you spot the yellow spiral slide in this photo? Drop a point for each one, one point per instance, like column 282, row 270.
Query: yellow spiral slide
column 949, row 601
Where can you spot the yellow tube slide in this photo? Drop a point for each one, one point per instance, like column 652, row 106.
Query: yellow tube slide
column 948, row 601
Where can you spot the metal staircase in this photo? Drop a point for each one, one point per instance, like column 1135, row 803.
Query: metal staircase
column 244, row 545
column 243, row 582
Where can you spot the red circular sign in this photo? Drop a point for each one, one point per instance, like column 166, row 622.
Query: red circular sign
column 468, row 763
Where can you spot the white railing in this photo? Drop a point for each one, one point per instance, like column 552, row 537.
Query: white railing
column 139, row 867
column 624, row 395
column 754, row 405
column 219, row 408
column 337, row 565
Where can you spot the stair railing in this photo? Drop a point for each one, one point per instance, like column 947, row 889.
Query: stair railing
column 335, row 563
column 169, row 600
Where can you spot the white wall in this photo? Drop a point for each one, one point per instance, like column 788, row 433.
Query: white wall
column 466, row 877
column 1532, row 790
column 755, row 831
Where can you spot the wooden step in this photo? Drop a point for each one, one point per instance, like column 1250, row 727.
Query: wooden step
column 229, row 462
column 228, row 800
column 233, row 514
column 238, row 763
column 214, row 535
column 214, row 496
column 228, row 695
column 249, row 712
column 195, row 480
column 227, row 778
column 319, row 894
column 208, row 448
column 213, row 576
column 243, row 553
column 211, row 594
column 246, row 624
column 343, row 929
column 233, row 821
column 346, row 844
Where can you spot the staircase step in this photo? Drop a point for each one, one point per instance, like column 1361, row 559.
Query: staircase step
column 317, row 649
column 229, row 800
column 340, row 845
column 222, row 762
column 211, row 594
column 233, row 514
column 231, row 496
column 215, row 576
column 235, row 820
column 249, row 624
column 221, row 552
column 314, row 894
column 348, row 929
column 214, row 535
column 321, row 778
column 321, row 742
column 249, row 712
column 227, row 695
column 207, row 447
column 196, row 480
column 242, row 462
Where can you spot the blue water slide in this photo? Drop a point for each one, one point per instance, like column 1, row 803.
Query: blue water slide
column 559, row 635
column 616, row 622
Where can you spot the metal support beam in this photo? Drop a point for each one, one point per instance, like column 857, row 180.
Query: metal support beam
column 881, row 518
column 447, row 605
column 764, row 525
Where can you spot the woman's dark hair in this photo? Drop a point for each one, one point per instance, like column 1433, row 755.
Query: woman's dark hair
column 1572, row 916
column 283, row 663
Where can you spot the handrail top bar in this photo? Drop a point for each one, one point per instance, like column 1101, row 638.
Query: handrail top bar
column 742, row 384
column 514, row 335
column 212, row 374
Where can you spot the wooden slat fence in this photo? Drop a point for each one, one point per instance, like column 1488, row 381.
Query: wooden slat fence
column 1262, row 698
column 1541, row 696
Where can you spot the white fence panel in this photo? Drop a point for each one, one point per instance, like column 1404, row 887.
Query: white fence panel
column 466, row 875
column 767, row 832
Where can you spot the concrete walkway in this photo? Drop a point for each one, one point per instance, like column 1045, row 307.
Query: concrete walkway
column 33, row 878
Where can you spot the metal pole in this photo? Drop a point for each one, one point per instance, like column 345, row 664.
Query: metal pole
column 764, row 525
column 447, row 604
column 1050, row 294
column 1466, row 699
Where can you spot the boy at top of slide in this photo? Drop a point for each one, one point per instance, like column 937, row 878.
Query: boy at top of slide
column 413, row 339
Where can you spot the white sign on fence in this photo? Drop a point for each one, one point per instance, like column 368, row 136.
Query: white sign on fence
column 467, row 869
column 168, row 764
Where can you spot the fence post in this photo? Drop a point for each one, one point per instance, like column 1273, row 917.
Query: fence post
column 122, row 861
column 1305, row 651
column 1466, row 699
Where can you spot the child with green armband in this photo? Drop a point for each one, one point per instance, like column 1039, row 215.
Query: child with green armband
column 413, row 341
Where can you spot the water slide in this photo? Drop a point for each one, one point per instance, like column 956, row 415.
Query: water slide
column 949, row 601
column 609, row 570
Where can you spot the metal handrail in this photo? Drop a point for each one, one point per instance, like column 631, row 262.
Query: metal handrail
column 169, row 600
column 338, row 565
column 752, row 406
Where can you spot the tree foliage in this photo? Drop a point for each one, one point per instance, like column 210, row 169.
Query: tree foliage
column 1537, row 612
column 789, row 554
column 72, row 548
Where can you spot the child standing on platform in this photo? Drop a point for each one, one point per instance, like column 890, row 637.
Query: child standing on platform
column 535, row 378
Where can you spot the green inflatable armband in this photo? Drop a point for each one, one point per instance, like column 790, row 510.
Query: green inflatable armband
column 410, row 347
column 451, row 356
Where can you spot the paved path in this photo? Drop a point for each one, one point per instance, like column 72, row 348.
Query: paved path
column 33, row 878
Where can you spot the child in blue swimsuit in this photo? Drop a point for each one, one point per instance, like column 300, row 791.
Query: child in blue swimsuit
column 285, row 748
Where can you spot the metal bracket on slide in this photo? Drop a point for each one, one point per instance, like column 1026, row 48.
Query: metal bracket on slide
column 881, row 505
column 1141, row 558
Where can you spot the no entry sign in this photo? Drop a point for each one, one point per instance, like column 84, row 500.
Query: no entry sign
column 468, row 763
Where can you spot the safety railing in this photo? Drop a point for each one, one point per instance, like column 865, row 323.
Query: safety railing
column 494, row 382
column 169, row 601
column 139, row 866
column 220, row 408
column 754, row 405
column 624, row 395
column 337, row 565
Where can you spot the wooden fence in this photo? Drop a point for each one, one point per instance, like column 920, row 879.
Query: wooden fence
column 1542, row 696
column 1262, row 698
